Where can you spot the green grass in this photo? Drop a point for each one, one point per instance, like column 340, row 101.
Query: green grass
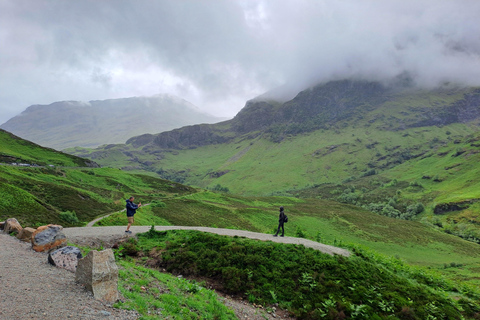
column 157, row 295
column 14, row 149
column 38, row 195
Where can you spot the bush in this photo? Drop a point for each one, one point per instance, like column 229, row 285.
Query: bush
column 158, row 204
column 300, row 233
column 70, row 217
column 219, row 188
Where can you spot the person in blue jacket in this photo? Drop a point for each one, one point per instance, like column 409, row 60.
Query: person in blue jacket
column 131, row 210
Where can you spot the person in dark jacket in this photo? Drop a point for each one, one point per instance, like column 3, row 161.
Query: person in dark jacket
column 281, row 221
column 131, row 210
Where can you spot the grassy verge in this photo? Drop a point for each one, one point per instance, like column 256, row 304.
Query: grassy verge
column 157, row 295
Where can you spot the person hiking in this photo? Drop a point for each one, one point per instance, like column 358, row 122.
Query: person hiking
column 131, row 210
column 281, row 221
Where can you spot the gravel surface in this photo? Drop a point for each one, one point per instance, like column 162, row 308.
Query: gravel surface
column 30, row 288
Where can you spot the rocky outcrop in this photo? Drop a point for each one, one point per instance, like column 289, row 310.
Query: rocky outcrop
column 65, row 258
column 12, row 225
column 98, row 272
column 26, row 234
column 47, row 238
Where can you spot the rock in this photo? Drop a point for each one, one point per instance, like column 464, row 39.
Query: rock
column 12, row 225
column 65, row 258
column 49, row 237
column 26, row 234
column 98, row 272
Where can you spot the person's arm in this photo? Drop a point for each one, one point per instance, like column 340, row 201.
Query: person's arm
column 131, row 205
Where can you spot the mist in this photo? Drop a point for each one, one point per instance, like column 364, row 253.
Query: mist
column 218, row 54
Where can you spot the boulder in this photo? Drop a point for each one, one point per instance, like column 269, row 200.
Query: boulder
column 98, row 272
column 47, row 238
column 26, row 234
column 12, row 225
column 65, row 258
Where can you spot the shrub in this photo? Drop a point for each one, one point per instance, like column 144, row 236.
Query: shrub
column 158, row 204
column 70, row 217
column 300, row 233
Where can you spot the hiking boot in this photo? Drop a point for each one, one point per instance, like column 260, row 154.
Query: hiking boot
column 281, row 235
column 274, row 235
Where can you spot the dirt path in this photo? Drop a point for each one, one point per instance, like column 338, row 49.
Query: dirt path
column 84, row 235
column 32, row 289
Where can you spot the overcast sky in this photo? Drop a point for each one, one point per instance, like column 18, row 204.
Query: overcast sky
column 219, row 53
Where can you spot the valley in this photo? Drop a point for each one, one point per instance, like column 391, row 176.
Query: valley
column 391, row 175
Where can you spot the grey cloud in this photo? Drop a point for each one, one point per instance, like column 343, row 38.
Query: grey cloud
column 217, row 54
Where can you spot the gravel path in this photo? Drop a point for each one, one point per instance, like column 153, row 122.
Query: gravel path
column 108, row 234
column 30, row 288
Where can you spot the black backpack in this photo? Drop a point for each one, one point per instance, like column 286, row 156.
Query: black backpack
column 285, row 218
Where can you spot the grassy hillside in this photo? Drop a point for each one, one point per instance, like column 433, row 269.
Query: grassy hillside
column 363, row 286
column 37, row 196
column 320, row 220
column 16, row 150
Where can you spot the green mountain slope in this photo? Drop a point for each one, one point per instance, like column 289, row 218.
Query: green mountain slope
column 42, row 194
column 16, row 150
column 326, row 134
column 73, row 123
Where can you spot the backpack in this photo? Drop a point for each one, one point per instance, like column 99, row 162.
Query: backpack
column 285, row 218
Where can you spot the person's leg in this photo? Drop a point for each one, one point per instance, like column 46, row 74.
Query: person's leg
column 283, row 230
column 130, row 222
column 278, row 230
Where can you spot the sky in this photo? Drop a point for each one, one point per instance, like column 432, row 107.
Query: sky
column 217, row 54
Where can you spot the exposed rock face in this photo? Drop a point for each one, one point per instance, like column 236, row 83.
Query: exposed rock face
column 49, row 237
column 98, row 272
column 26, row 234
column 12, row 225
column 65, row 258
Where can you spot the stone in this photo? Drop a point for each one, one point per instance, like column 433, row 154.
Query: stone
column 26, row 234
column 65, row 258
column 98, row 272
column 12, row 225
column 47, row 238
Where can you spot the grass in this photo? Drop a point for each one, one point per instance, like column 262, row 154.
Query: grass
column 328, row 221
column 39, row 195
column 14, row 149
column 157, row 295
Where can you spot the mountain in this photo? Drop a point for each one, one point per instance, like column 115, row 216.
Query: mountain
column 394, row 149
column 67, row 124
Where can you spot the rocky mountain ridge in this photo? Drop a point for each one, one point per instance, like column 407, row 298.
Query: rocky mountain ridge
column 323, row 106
